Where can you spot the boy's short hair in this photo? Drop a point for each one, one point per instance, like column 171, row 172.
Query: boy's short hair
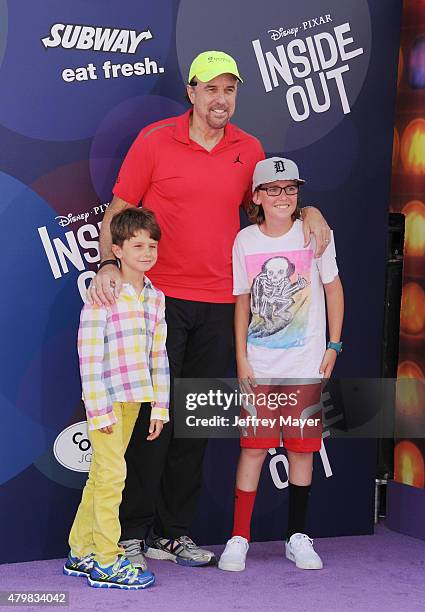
column 128, row 222
column 255, row 211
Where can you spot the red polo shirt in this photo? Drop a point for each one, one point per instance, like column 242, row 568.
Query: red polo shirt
column 195, row 195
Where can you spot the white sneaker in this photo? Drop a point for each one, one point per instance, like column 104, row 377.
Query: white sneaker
column 300, row 550
column 234, row 555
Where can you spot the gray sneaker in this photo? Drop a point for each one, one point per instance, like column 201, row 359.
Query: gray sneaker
column 134, row 552
column 182, row 550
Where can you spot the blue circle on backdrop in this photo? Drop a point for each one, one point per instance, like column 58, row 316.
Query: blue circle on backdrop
column 266, row 114
column 39, row 382
column 37, row 102
column 116, row 133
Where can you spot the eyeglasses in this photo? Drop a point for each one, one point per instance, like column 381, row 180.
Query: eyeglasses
column 276, row 191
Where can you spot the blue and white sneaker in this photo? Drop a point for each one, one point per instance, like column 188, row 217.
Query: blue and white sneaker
column 182, row 550
column 120, row 575
column 78, row 566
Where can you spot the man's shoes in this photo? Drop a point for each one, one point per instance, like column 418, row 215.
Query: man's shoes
column 300, row 550
column 182, row 550
column 133, row 550
column 120, row 575
column 78, row 566
column 234, row 555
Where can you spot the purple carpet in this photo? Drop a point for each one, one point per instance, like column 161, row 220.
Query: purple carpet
column 383, row 572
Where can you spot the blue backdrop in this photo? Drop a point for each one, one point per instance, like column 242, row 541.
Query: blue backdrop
column 77, row 82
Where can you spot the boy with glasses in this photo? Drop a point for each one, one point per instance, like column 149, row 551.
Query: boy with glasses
column 281, row 285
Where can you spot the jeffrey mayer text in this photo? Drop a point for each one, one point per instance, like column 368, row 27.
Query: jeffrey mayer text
column 284, row 421
column 253, row 421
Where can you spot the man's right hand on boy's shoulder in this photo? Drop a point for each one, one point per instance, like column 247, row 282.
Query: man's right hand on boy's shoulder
column 105, row 286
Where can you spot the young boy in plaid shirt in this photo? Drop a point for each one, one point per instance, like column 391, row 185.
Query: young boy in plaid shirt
column 124, row 369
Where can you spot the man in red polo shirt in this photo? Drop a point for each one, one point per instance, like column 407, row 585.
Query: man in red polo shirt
column 193, row 171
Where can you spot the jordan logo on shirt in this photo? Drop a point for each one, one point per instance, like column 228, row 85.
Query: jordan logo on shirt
column 238, row 160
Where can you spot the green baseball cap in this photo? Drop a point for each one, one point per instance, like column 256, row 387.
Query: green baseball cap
column 210, row 64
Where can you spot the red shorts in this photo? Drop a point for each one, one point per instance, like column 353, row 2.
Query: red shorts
column 291, row 414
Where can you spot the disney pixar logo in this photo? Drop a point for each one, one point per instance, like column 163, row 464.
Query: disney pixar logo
column 86, row 37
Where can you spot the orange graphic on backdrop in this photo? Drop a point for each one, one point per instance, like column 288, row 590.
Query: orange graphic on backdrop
column 412, row 313
column 413, row 147
column 409, row 369
column 409, row 464
column 410, row 390
column 415, row 228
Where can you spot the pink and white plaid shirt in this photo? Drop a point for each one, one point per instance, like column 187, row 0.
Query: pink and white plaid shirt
column 123, row 356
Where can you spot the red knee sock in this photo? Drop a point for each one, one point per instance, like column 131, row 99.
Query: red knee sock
column 244, row 504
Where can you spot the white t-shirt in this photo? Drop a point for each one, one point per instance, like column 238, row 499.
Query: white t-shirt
column 287, row 333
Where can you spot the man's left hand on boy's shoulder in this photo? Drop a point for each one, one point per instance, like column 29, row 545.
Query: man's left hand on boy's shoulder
column 315, row 224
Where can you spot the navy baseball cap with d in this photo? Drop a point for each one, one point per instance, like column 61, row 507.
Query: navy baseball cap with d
column 275, row 169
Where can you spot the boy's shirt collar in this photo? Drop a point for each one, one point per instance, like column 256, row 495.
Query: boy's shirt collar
column 130, row 290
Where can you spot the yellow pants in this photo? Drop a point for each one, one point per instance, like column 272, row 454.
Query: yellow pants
column 96, row 528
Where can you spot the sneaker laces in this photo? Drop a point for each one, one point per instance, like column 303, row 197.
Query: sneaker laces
column 303, row 542
column 238, row 541
column 189, row 545
column 187, row 542
column 85, row 561
column 125, row 568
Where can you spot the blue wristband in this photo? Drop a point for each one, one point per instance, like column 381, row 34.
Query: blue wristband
column 336, row 346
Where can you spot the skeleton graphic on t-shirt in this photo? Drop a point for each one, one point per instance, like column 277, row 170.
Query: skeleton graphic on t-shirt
column 271, row 296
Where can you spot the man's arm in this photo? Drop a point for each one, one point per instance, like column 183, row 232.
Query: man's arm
column 106, row 285
column 335, row 309
column 116, row 206
column 315, row 224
